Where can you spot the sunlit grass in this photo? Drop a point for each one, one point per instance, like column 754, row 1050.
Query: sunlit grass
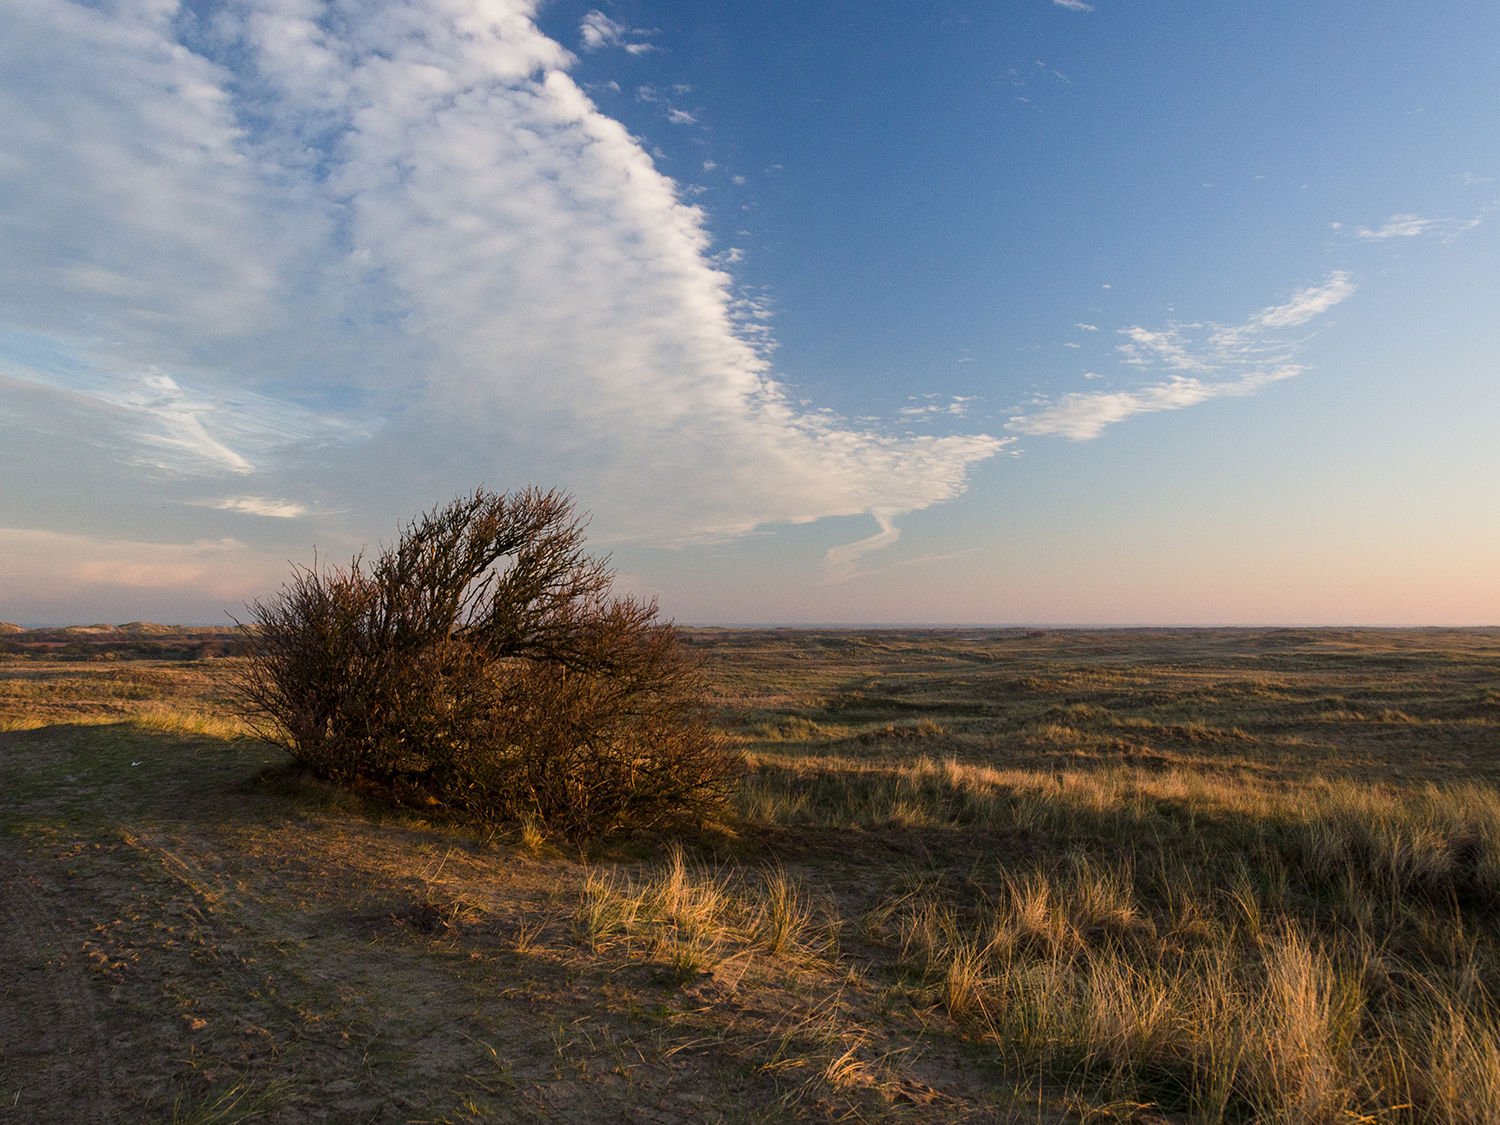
column 1307, row 953
column 190, row 699
column 694, row 916
column 146, row 717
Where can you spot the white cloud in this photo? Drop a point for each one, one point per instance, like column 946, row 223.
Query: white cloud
column 165, row 424
column 134, row 208
column 957, row 407
column 1410, row 226
column 260, row 506
column 1086, row 327
column 681, row 117
column 1074, row 5
column 1084, row 416
column 1306, row 303
column 839, row 562
column 1224, row 362
column 1147, row 348
column 400, row 252
column 598, row 31
column 1400, row 226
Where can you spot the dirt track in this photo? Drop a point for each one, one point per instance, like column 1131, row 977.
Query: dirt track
column 56, row 1061
column 182, row 942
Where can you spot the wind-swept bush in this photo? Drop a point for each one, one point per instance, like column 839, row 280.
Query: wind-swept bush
column 483, row 662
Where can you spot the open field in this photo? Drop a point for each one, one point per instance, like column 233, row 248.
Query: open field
column 969, row 875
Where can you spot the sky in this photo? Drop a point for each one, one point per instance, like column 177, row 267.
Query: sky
column 1042, row 312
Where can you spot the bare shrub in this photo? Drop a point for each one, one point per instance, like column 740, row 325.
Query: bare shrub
column 483, row 663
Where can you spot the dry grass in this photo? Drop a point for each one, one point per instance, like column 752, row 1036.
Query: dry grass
column 1309, row 954
column 189, row 698
column 695, row 917
column 1215, row 878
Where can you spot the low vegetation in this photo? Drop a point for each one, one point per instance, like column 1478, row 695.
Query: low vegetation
column 1184, row 877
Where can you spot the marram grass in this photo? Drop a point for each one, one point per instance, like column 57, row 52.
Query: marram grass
column 1311, row 954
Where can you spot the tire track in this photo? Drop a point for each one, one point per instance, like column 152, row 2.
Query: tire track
column 55, row 1063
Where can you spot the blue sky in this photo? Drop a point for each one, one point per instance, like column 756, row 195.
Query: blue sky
column 1039, row 312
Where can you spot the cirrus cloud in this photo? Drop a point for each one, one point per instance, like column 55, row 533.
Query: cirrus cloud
column 1223, row 362
column 1413, row 226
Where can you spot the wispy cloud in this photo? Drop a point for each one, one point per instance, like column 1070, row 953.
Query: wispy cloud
column 1074, row 5
column 1400, row 226
column 260, row 506
column 1223, row 362
column 163, row 423
column 1084, row 416
column 1412, row 226
column 840, row 563
column 901, row 564
column 1168, row 348
column 956, row 407
column 674, row 115
column 1305, row 304
column 598, row 31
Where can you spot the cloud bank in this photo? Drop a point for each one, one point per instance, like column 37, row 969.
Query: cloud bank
column 56, row 576
column 1204, row 361
column 360, row 255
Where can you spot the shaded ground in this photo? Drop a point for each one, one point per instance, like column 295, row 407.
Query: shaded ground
column 186, row 941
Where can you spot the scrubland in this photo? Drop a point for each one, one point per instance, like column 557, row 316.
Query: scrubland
column 969, row 875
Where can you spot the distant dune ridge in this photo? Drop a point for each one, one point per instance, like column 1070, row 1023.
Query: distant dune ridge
column 133, row 640
column 137, row 628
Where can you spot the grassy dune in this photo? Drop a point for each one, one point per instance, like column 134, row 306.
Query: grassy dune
column 1183, row 876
